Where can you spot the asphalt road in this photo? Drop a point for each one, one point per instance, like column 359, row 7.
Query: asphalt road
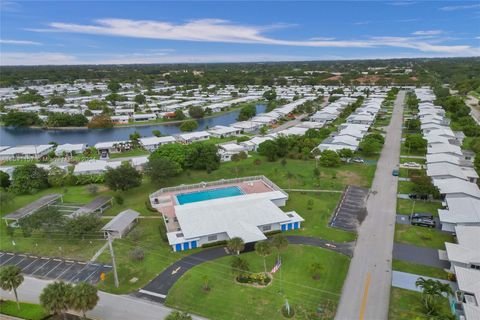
column 109, row 306
column 157, row 289
column 366, row 292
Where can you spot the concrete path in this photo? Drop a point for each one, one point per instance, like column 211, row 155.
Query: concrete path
column 472, row 102
column 157, row 289
column 366, row 292
column 110, row 306
column 420, row 255
column 406, row 281
column 99, row 252
column 314, row 190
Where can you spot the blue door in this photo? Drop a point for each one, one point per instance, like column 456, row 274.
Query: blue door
column 296, row 225
column 178, row 247
column 284, row 227
column 186, row 246
column 194, row 244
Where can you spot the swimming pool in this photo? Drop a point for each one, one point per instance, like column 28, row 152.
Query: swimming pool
column 210, row 194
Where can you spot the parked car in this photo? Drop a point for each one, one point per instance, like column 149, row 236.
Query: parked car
column 411, row 165
column 420, row 215
column 423, row 222
column 395, row 173
column 358, row 160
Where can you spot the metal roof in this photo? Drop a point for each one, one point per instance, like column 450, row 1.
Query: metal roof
column 93, row 205
column 33, row 206
column 121, row 221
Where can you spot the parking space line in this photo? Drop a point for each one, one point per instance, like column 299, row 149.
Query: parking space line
column 95, row 271
column 12, row 256
column 78, row 273
column 28, row 265
column 61, row 274
column 48, row 260
column 24, row 257
column 59, row 263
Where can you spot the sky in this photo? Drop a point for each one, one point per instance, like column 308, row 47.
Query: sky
column 122, row 32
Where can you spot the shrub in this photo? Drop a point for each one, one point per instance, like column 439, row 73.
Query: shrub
column 92, row 189
column 214, row 244
column 137, row 254
column 163, row 232
column 254, row 278
column 118, row 199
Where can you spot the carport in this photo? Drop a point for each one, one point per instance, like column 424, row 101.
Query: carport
column 33, row 207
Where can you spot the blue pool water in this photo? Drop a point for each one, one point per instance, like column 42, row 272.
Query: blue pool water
column 208, row 195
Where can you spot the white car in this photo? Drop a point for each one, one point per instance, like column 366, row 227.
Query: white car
column 411, row 165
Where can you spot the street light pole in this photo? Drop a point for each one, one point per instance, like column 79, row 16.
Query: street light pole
column 113, row 259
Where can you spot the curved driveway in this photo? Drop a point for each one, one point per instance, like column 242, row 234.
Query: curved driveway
column 157, row 289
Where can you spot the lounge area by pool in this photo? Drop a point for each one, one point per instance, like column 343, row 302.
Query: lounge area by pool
column 208, row 194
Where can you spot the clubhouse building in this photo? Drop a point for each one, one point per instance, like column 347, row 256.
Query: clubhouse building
column 209, row 212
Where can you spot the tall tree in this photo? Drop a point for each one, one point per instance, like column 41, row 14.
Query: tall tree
column 263, row 249
column 56, row 297
column 123, row 178
column 10, row 279
column 29, row 178
column 84, row 297
column 280, row 242
column 236, row 245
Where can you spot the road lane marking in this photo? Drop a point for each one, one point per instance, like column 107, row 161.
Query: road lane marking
column 365, row 297
column 152, row 293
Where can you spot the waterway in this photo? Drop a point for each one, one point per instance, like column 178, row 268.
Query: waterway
column 10, row 136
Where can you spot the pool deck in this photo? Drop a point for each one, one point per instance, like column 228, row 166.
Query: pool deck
column 168, row 200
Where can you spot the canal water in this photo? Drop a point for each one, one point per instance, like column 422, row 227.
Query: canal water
column 10, row 136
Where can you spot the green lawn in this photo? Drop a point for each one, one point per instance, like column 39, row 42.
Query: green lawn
column 131, row 153
column 405, row 206
column 158, row 256
column 421, row 236
column 229, row 300
column 27, row 311
column 157, row 252
column 405, row 187
column 406, row 305
column 317, row 218
column 422, row 270
column 405, row 151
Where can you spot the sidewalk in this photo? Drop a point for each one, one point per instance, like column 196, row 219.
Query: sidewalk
column 110, row 306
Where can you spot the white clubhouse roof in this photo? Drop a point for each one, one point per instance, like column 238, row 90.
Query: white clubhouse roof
column 238, row 216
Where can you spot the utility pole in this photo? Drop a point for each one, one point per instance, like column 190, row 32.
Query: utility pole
column 113, row 259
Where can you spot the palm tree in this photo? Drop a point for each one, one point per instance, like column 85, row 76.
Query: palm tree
column 84, row 297
column 10, row 279
column 280, row 242
column 431, row 291
column 236, row 244
column 56, row 297
column 263, row 248
column 239, row 265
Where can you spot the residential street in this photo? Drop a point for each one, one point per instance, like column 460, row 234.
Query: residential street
column 366, row 290
column 110, row 306
column 472, row 103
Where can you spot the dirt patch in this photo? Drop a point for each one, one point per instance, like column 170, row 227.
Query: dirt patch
column 351, row 178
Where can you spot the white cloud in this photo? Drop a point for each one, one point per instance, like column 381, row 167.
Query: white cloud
column 460, row 7
column 427, row 32
column 55, row 58
column 20, row 42
column 216, row 30
column 37, row 58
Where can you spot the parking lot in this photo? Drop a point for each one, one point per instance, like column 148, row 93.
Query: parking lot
column 54, row 268
column 351, row 210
